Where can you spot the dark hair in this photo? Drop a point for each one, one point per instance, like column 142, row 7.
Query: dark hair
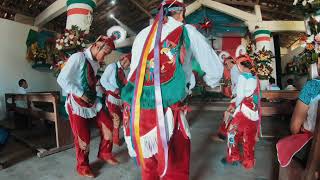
column 248, row 65
column 98, row 77
column 272, row 80
column 21, row 81
column 290, row 81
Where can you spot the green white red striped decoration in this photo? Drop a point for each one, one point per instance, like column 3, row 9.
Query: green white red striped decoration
column 79, row 13
column 262, row 38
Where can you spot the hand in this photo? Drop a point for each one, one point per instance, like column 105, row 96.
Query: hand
column 231, row 109
column 117, row 91
column 85, row 99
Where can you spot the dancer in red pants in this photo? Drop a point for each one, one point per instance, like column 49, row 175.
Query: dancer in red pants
column 229, row 64
column 78, row 79
column 156, row 129
column 243, row 128
column 113, row 80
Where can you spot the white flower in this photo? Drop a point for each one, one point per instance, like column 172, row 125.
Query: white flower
column 59, row 47
column 71, row 36
column 83, row 45
column 57, row 40
column 66, row 40
column 295, row 2
column 66, row 34
column 78, row 43
column 51, row 67
column 61, row 41
column 71, row 42
column 66, row 45
column 304, row 3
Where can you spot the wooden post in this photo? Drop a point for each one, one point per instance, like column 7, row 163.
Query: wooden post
column 276, row 40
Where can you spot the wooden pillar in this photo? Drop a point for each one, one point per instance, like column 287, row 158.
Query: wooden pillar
column 277, row 54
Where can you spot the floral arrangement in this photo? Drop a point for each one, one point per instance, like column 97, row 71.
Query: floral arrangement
column 73, row 40
column 263, row 59
column 311, row 52
column 37, row 54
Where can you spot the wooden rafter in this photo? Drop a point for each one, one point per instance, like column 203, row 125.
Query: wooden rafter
column 263, row 8
column 141, row 8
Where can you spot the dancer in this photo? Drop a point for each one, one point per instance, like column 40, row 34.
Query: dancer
column 113, row 80
column 78, row 79
column 243, row 128
column 229, row 64
column 156, row 129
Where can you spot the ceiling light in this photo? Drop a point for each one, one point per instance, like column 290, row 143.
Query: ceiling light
column 113, row 2
column 111, row 16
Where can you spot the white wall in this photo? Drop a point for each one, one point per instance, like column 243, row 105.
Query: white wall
column 13, row 64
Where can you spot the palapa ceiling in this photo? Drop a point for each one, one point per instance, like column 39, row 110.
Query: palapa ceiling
column 136, row 13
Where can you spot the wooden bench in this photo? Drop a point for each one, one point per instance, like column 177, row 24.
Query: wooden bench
column 295, row 171
column 279, row 103
column 63, row 133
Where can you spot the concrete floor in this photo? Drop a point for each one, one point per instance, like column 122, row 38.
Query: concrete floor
column 205, row 160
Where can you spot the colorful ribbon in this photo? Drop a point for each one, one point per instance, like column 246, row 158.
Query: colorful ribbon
column 163, row 152
column 135, row 113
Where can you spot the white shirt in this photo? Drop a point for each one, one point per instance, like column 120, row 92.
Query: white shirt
column 71, row 82
column 108, row 79
column 245, row 88
column 199, row 48
column 234, row 73
column 21, row 90
column 291, row 88
column 310, row 123
column 69, row 78
column 273, row 87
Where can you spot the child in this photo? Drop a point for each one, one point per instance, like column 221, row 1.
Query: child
column 229, row 64
column 244, row 125
column 112, row 80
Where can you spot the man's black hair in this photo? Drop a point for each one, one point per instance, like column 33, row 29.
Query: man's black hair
column 21, row 81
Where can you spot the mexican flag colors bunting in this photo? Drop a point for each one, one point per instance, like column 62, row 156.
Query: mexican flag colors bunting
column 263, row 39
column 79, row 13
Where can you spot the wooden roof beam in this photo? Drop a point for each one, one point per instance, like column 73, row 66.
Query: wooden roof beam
column 54, row 10
column 141, row 8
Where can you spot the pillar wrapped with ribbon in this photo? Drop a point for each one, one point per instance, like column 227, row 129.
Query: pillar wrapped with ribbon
column 263, row 56
column 79, row 13
column 263, row 39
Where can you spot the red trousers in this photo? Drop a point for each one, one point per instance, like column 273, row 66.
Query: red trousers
column 81, row 132
column 245, row 132
column 178, row 162
column 116, row 115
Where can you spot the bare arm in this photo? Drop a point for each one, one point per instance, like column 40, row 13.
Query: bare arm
column 298, row 117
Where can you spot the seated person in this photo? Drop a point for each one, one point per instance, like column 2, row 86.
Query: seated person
column 290, row 86
column 272, row 85
column 23, row 86
column 302, row 125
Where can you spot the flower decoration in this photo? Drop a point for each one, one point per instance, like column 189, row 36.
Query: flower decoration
column 37, row 54
column 263, row 59
column 73, row 39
